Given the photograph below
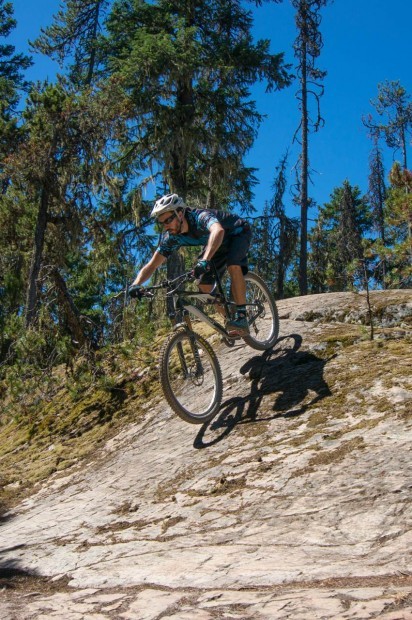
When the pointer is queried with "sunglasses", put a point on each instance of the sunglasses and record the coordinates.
(168, 220)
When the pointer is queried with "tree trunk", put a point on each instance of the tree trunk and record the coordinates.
(303, 261)
(35, 266)
(92, 59)
(69, 309)
(32, 298)
(403, 141)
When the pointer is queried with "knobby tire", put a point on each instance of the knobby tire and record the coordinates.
(264, 331)
(190, 374)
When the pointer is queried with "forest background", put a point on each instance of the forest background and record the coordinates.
(150, 97)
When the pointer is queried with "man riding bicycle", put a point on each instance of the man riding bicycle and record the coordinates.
(226, 240)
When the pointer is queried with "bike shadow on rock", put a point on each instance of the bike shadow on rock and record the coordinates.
(294, 377)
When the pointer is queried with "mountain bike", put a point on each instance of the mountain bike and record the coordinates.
(189, 370)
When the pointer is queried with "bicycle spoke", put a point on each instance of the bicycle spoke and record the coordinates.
(191, 377)
(261, 312)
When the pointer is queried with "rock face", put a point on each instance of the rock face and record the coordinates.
(294, 502)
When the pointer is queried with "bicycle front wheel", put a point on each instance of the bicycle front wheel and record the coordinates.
(191, 377)
(262, 314)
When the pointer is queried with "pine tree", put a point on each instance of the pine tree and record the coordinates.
(275, 236)
(377, 190)
(341, 226)
(74, 34)
(393, 105)
(377, 197)
(12, 228)
(350, 233)
(12, 82)
(287, 228)
(187, 68)
(399, 223)
(318, 260)
(59, 168)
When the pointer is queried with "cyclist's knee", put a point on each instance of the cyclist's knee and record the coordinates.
(205, 288)
(234, 269)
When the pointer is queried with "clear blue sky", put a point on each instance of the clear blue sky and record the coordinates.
(365, 42)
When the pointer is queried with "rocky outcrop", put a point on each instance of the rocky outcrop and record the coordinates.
(294, 502)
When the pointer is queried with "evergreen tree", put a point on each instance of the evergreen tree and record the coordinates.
(393, 105)
(318, 262)
(377, 190)
(275, 236)
(262, 252)
(287, 228)
(74, 35)
(308, 46)
(399, 223)
(61, 169)
(341, 226)
(187, 68)
(351, 227)
(12, 228)
(12, 67)
(377, 197)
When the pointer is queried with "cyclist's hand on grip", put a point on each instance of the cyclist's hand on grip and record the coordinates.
(136, 292)
(201, 267)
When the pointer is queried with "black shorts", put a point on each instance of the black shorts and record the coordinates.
(233, 251)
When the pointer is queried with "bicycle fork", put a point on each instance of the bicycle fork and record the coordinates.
(187, 326)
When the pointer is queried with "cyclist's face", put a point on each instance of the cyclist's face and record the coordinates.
(170, 221)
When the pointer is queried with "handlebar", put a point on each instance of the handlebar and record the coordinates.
(172, 285)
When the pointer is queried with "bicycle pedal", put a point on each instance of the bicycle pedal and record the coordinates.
(228, 341)
(235, 335)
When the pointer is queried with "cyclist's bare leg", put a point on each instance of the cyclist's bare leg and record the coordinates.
(238, 287)
(238, 325)
(238, 284)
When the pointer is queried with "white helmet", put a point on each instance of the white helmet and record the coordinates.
(169, 202)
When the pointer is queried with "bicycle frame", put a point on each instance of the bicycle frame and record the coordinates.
(213, 298)
(185, 309)
(188, 308)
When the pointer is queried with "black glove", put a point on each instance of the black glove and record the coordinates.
(201, 267)
(135, 292)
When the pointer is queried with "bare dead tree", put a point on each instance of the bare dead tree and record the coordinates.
(308, 46)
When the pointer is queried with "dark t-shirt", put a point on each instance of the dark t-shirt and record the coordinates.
(200, 222)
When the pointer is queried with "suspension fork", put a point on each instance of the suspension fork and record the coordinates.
(187, 325)
(193, 345)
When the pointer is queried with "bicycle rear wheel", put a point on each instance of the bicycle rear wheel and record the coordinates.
(191, 377)
(264, 329)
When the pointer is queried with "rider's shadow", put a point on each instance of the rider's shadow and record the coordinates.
(294, 378)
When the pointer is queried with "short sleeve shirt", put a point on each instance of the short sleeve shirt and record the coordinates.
(200, 221)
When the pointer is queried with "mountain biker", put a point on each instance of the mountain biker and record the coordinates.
(226, 240)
